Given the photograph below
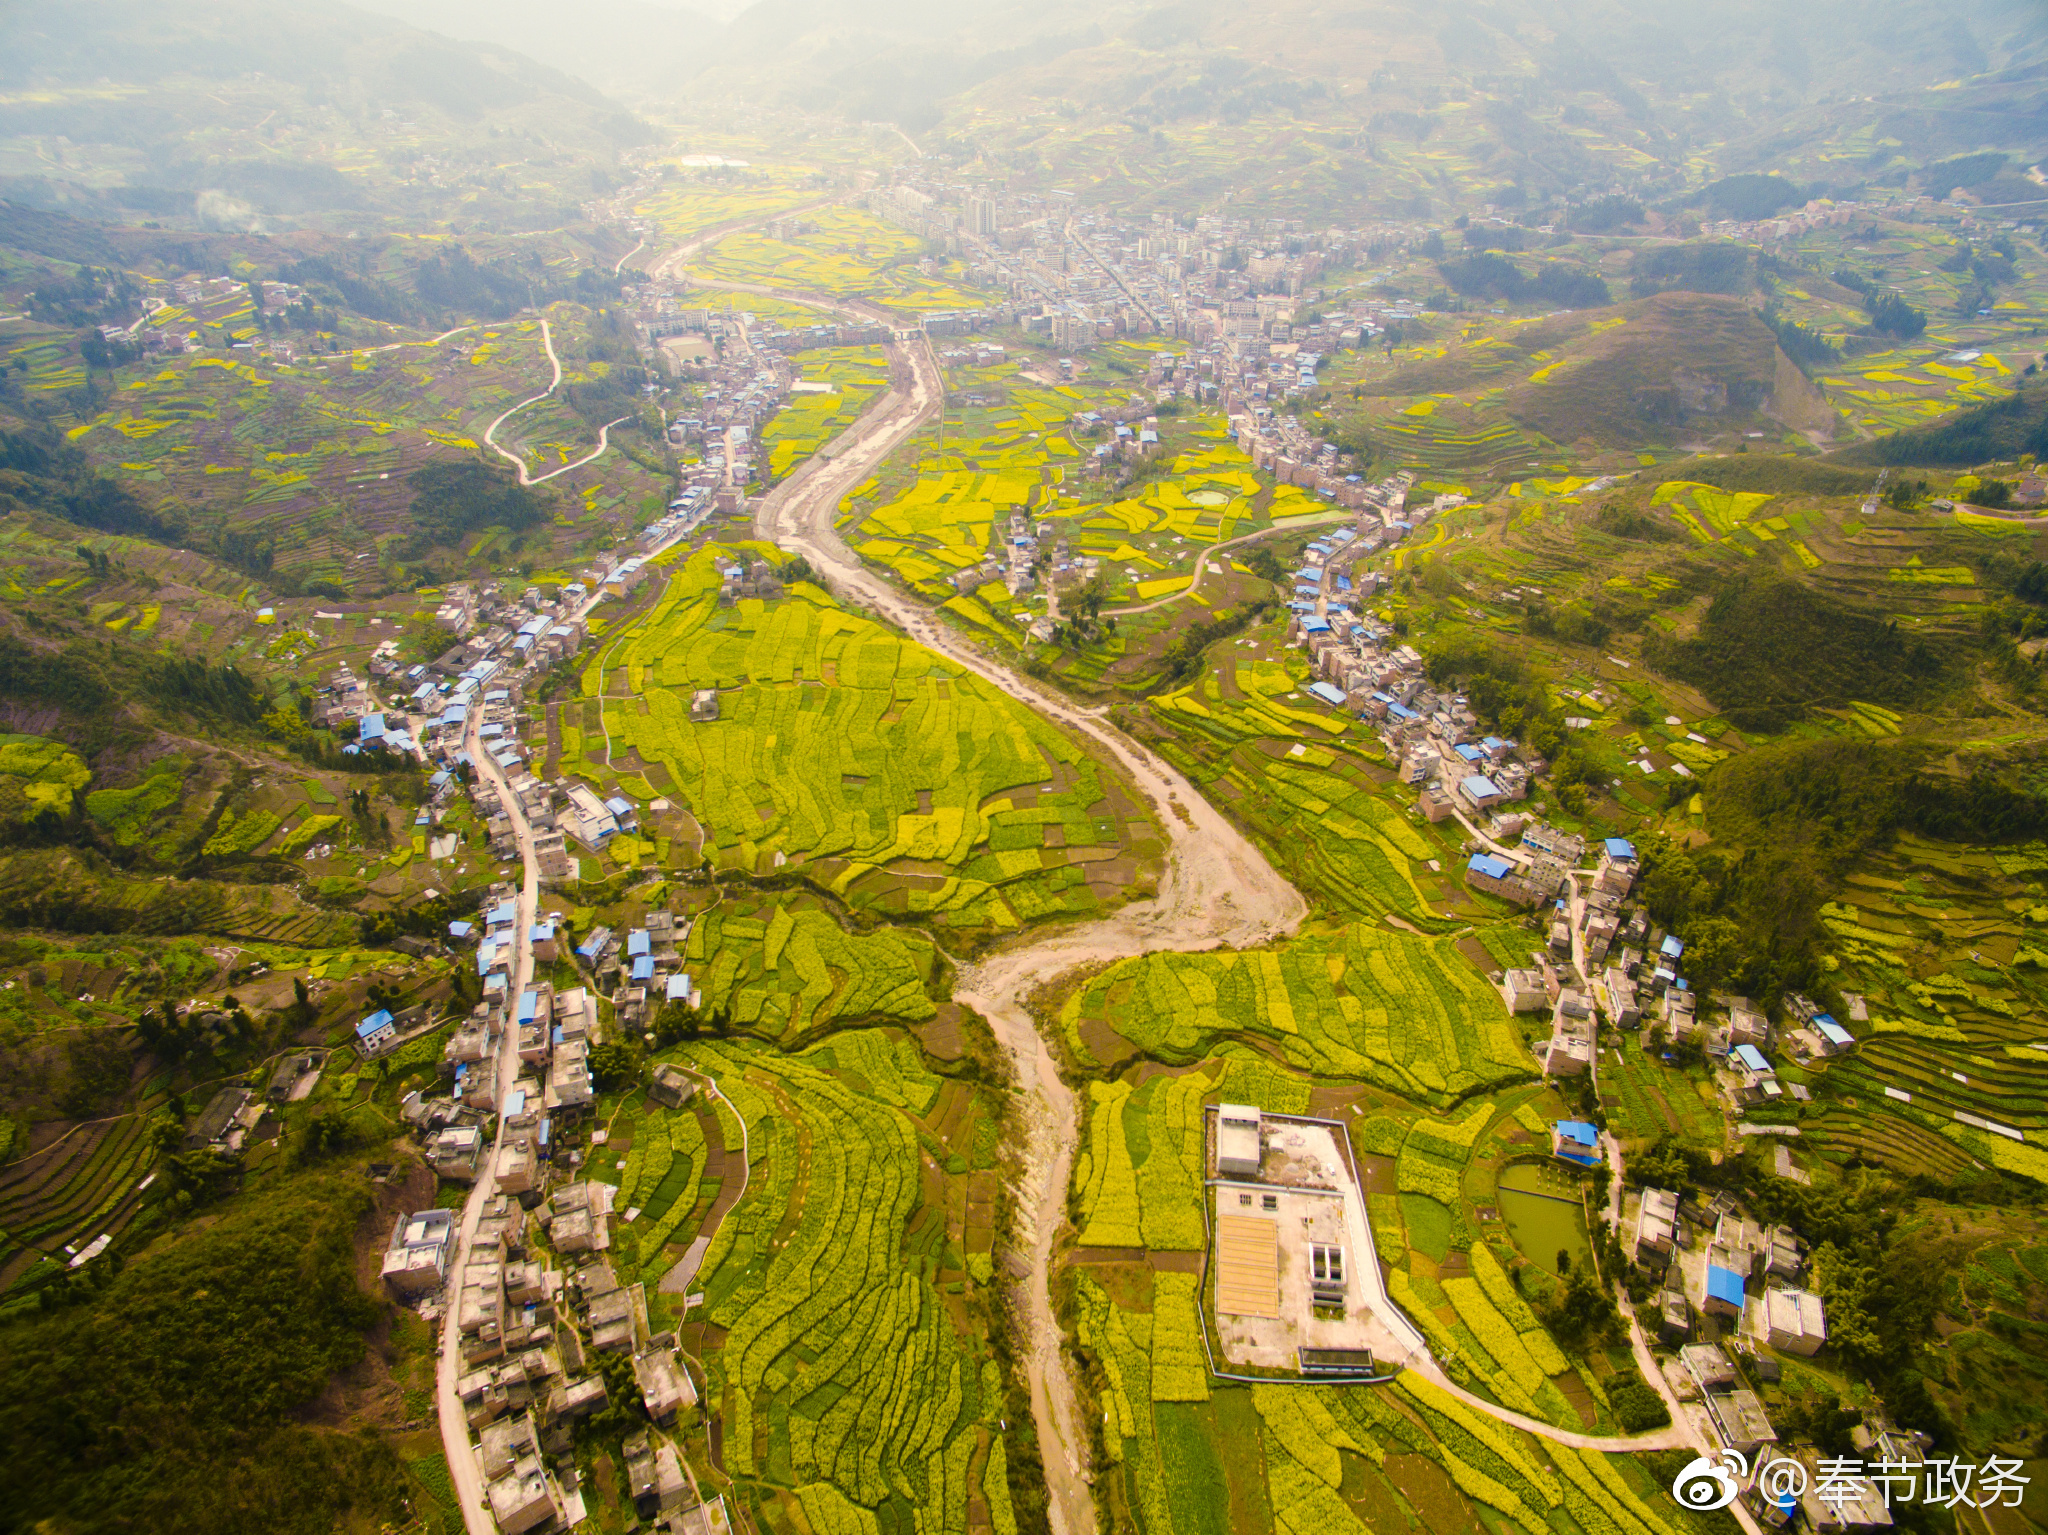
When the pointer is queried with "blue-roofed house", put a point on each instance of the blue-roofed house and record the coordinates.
(679, 988)
(1673, 946)
(501, 916)
(370, 730)
(542, 936)
(1487, 870)
(461, 932)
(529, 1006)
(1724, 1295)
(1834, 1039)
(1621, 850)
(1751, 1061)
(1329, 693)
(376, 1032)
(643, 969)
(1470, 752)
(1573, 1140)
(638, 943)
(623, 811)
(1479, 791)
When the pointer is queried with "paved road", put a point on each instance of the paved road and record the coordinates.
(463, 1465)
(526, 476)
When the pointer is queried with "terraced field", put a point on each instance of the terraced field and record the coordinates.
(893, 779)
(75, 1188)
(845, 1312)
(1394, 1009)
(313, 451)
(1195, 1452)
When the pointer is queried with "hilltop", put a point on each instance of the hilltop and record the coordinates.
(1594, 387)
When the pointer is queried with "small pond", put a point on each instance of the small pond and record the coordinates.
(1540, 1207)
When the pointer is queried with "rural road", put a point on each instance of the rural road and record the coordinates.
(463, 1465)
(1202, 560)
(526, 476)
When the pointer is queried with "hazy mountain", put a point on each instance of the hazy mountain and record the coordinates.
(237, 112)
(636, 48)
(1700, 70)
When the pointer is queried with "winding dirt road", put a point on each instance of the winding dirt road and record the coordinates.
(1217, 889)
(526, 476)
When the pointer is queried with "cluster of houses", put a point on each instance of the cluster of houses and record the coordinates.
(642, 969)
(532, 1324)
(1605, 962)
(1082, 276)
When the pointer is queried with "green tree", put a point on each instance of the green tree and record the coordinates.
(613, 1065)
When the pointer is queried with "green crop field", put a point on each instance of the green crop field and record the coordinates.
(848, 1284)
(1195, 1452)
(847, 254)
(1371, 1004)
(810, 420)
(893, 779)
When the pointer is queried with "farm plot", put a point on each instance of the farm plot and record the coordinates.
(685, 207)
(1397, 1010)
(792, 969)
(1945, 945)
(316, 449)
(70, 1192)
(1206, 1458)
(811, 419)
(1015, 455)
(38, 777)
(847, 253)
(902, 783)
(854, 1367)
(1314, 808)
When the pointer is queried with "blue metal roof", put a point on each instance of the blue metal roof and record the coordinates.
(637, 942)
(1470, 753)
(1578, 1130)
(381, 1019)
(1620, 847)
(1479, 785)
(1672, 947)
(643, 968)
(679, 988)
(1832, 1031)
(1724, 1285)
(1490, 865)
(1328, 692)
(529, 1004)
(460, 929)
(1751, 1057)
